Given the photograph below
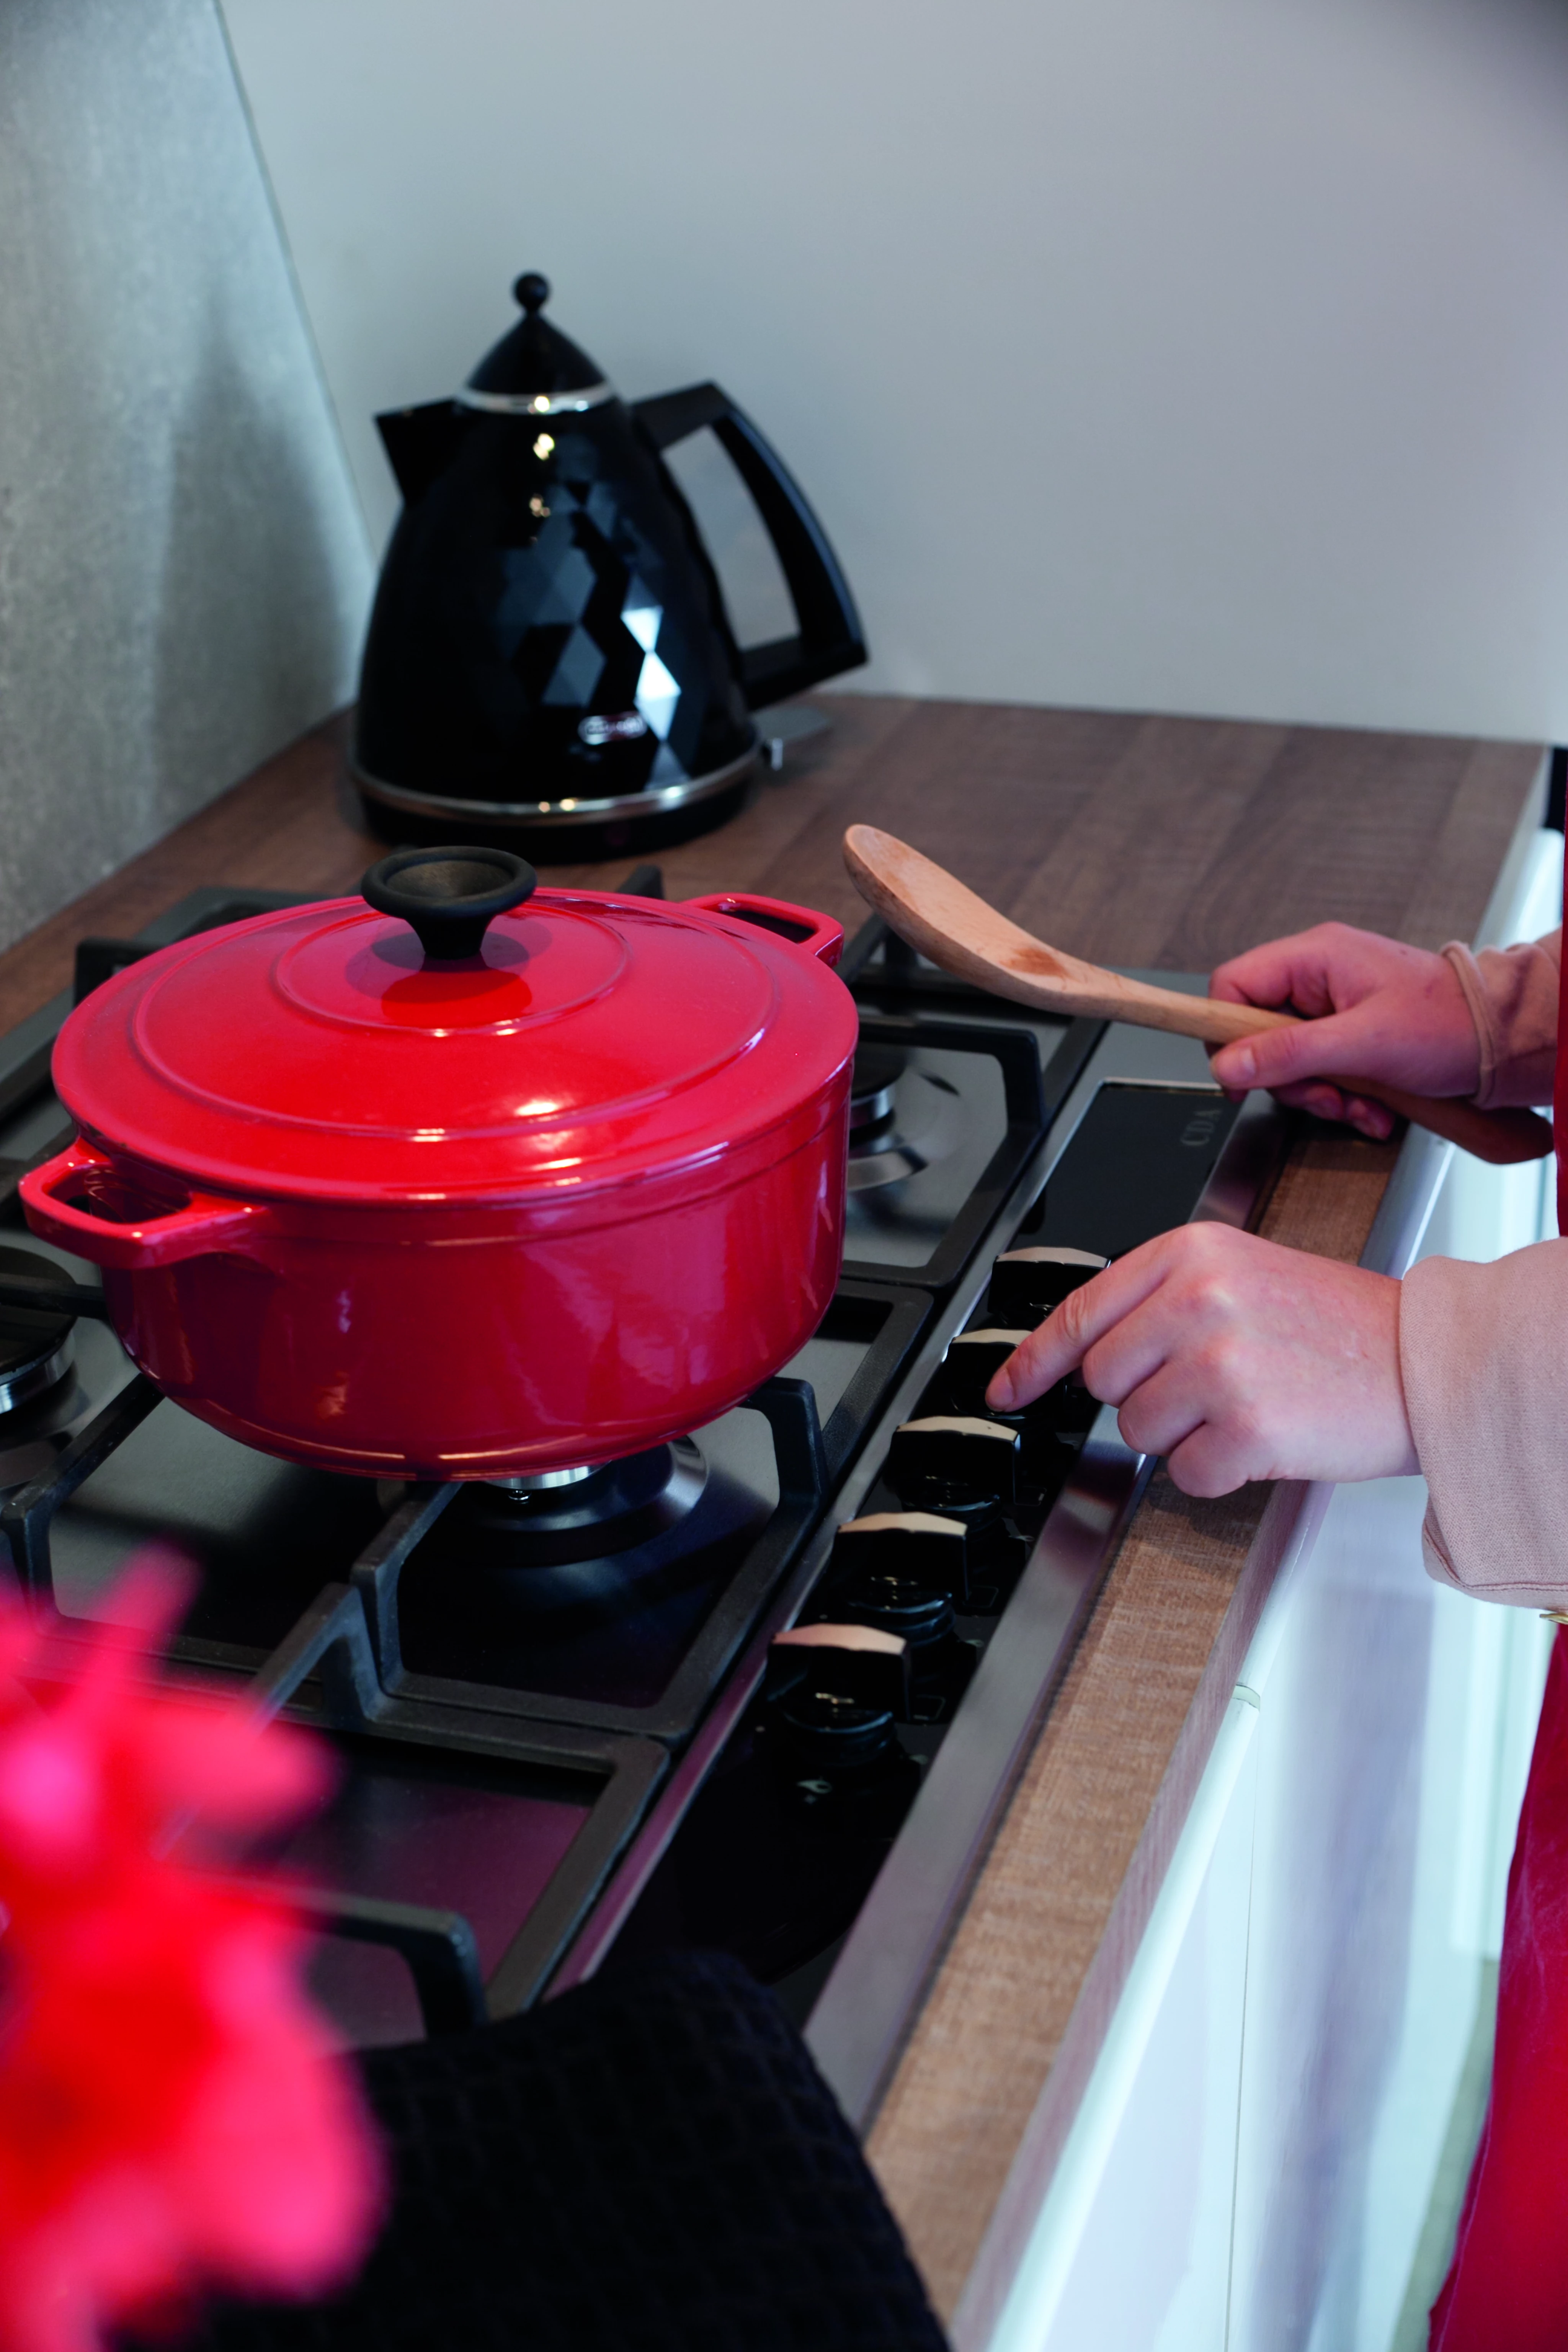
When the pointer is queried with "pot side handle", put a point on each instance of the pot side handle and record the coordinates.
(816, 935)
(82, 1202)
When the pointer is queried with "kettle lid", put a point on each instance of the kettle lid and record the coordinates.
(535, 368)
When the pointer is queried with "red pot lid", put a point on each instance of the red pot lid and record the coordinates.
(320, 1052)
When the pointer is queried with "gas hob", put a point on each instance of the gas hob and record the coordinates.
(743, 1691)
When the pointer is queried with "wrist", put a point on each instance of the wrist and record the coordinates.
(1472, 987)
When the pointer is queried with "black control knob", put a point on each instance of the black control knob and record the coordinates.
(1044, 1459)
(960, 1380)
(859, 1661)
(825, 1732)
(448, 896)
(954, 1459)
(897, 1604)
(1026, 1284)
(1069, 1407)
(920, 1544)
(834, 1695)
(844, 1771)
(941, 1664)
(1065, 1408)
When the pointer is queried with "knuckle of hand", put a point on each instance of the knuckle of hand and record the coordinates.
(1070, 1319)
(1135, 1427)
(1186, 1475)
(1205, 1255)
(1224, 1364)
(1210, 1463)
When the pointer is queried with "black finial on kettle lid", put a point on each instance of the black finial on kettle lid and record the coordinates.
(535, 363)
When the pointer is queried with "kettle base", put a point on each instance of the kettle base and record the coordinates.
(554, 833)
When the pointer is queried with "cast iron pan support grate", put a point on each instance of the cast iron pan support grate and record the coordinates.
(379, 1566)
(26, 1520)
(788, 1406)
(331, 1638)
(1028, 1109)
(436, 1946)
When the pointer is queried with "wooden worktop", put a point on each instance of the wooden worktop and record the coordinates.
(1152, 841)
(1167, 842)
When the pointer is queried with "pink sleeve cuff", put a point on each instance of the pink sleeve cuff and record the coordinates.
(1512, 997)
(1483, 1354)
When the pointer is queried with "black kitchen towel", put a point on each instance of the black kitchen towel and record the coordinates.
(651, 2163)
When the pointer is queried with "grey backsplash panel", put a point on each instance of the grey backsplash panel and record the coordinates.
(183, 568)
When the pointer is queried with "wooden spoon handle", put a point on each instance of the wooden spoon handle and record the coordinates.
(1502, 1137)
(949, 924)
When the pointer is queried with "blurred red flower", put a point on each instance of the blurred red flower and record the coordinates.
(173, 2112)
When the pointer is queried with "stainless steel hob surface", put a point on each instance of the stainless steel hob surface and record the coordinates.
(569, 1728)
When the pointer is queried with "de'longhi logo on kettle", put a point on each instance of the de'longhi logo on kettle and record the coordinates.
(612, 727)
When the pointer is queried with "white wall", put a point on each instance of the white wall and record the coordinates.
(1196, 355)
(182, 562)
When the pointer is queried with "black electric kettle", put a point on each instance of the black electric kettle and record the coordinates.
(549, 657)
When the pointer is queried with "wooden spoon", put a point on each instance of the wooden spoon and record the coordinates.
(948, 924)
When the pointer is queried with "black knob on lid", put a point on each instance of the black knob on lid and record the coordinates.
(449, 897)
(532, 291)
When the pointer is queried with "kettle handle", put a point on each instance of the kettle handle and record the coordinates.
(830, 637)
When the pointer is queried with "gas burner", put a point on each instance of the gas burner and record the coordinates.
(571, 1546)
(58, 1367)
(37, 1345)
(543, 1482)
(874, 1078)
(584, 1518)
(901, 1120)
(597, 1593)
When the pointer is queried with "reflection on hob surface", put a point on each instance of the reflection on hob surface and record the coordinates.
(447, 1832)
(1141, 1157)
(263, 1535)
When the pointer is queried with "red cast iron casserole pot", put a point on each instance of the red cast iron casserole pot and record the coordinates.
(449, 1185)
